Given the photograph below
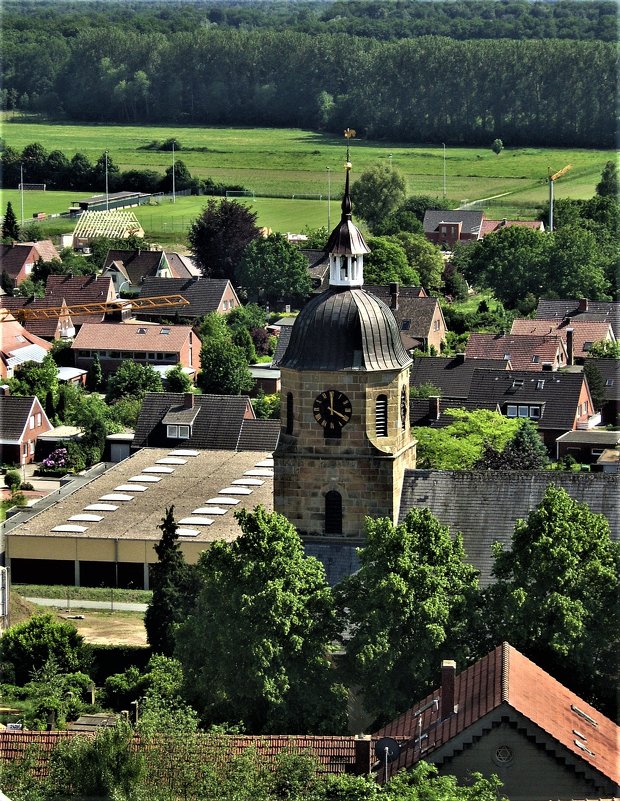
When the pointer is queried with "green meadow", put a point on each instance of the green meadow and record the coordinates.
(293, 162)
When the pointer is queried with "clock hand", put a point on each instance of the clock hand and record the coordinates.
(331, 402)
(344, 417)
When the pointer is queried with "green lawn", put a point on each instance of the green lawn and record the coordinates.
(294, 161)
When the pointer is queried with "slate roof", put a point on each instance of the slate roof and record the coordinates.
(14, 414)
(137, 264)
(131, 336)
(345, 330)
(472, 220)
(283, 340)
(523, 351)
(507, 683)
(583, 331)
(453, 375)
(556, 393)
(318, 267)
(414, 314)
(484, 507)
(204, 294)
(590, 310)
(610, 370)
(219, 423)
(335, 754)
(13, 257)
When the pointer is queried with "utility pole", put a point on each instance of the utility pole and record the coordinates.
(552, 180)
(174, 196)
(21, 172)
(107, 194)
(329, 199)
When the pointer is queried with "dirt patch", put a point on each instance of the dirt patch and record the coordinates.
(107, 628)
(20, 609)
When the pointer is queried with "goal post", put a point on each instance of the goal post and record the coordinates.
(33, 187)
(307, 197)
(249, 193)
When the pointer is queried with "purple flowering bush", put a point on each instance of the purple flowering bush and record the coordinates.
(56, 460)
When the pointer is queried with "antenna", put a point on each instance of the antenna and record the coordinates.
(388, 750)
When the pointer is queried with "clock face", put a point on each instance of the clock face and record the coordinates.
(332, 410)
(403, 407)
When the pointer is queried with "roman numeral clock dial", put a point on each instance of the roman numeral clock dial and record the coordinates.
(332, 410)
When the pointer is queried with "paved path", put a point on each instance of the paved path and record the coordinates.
(75, 603)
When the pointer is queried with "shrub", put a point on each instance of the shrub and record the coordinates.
(12, 480)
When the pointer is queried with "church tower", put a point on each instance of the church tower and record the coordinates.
(346, 438)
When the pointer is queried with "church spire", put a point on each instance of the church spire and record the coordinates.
(346, 245)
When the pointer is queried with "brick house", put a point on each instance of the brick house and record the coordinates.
(582, 310)
(419, 317)
(161, 346)
(523, 351)
(18, 258)
(578, 335)
(507, 716)
(22, 420)
(18, 346)
(449, 227)
(129, 268)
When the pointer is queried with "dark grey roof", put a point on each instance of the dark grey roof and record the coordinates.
(484, 506)
(259, 435)
(204, 294)
(138, 264)
(283, 340)
(472, 220)
(597, 311)
(14, 414)
(344, 330)
(218, 424)
(414, 314)
(557, 393)
(422, 411)
(451, 376)
(610, 371)
(318, 267)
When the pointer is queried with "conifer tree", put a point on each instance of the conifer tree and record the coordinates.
(10, 228)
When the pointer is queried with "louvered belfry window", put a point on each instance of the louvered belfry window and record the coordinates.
(289, 412)
(333, 512)
(381, 426)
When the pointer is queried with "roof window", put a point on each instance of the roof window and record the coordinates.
(165, 331)
(587, 346)
(518, 382)
(405, 325)
(609, 382)
(142, 330)
(583, 715)
(583, 747)
(540, 384)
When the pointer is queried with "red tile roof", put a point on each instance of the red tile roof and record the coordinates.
(46, 249)
(505, 678)
(524, 351)
(13, 258)
(490, 226)
(582, 331)
(132, 336)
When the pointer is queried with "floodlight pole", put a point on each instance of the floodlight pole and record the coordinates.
(21, 172)
(107, 194)
(174, 196)
(444, 169)
(329, 199)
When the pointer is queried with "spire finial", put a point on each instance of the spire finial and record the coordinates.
(346, 198)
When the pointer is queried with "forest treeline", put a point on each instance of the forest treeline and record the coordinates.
(430, 88)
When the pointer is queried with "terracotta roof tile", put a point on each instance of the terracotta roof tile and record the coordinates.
(506, 678)
(523, 351)
(491, 226)
(583, 332)
(590, 310)
(131, 336)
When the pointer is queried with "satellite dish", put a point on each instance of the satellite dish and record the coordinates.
(387, 749)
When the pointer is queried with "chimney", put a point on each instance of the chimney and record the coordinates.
(363, 755)
(448, 674)
(188, 400)
(4, 390)
(570, 348)
(394, 295)
(433, 407)
(583, 304)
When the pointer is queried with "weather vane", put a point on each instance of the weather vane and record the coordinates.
(348, 135)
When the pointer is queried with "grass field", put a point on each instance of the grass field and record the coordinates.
(293, 161)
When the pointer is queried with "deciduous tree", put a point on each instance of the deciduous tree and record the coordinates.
(406, 608)
(272, 270)
(223, 368)
(608, 185)
(264, 615)
(523, 451)
(34, 378)
(555, 596)
(424, 259)
(376, 193)
(220, 235)
(133, 380)
(386, 262)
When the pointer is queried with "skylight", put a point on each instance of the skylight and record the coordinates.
(142, 330)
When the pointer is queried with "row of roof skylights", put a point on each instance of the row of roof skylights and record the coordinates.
(214, 506)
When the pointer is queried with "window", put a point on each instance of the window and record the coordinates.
(596, 452)
(436, 325)
(31, 421)
(535, 359)
(511, 410)
(139, 355)
(507, 358)
(183, 432)
(115, 354)
(540, 384)
(31, 446)
(405, 325)
(609, 382)
(142, 330)
(165, 331)
(38, 418)
(587, 346)
(524, 411)
(172, 432)
(535, 412)
(333, 512)
(84, 353)
(585, 407)
(25, 449)
(289, 412)
(381, 425)
(518, 382)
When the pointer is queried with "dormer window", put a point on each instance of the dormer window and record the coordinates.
(178, 432)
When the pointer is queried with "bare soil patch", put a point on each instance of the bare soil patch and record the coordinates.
(108, 628)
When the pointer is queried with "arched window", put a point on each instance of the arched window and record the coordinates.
(333, 512)
(381, 423)
(289, 412)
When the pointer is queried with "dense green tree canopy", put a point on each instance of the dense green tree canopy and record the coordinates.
(407, 607)
(219, 236)
(525, 450)
(133, 380)
(377, 193)
(264, 615)
(34, 378)
(223, 368)
(272, 270)
(555, 596)
(424, 258)
(386, 262)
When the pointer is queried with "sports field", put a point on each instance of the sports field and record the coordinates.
(290, 162)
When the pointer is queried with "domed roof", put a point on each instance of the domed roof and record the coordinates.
(345, 329)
